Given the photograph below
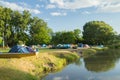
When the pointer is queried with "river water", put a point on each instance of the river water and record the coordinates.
(98, 67)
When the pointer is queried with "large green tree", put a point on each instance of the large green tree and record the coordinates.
(5, 19)
(97, 32)
(19, 27)
(39, 31)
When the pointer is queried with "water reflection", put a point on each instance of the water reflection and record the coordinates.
(104, 66)
(102, 62)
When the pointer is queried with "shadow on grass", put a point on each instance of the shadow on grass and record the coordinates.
(12, 74)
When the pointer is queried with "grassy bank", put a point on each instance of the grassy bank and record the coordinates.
(92, 51)
(32, 68)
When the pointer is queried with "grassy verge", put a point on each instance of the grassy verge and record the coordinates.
(69, 56)
(92, 51)
(32, 68)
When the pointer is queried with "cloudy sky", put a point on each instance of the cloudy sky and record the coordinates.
(69, 14)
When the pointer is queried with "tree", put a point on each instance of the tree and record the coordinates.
(19, 27)
(97, 32)
(116, 39)
(56, 38)
(78, 36)
(5, 18)
(39, 32)
(0, 41)
(66, 37)
(1, 21)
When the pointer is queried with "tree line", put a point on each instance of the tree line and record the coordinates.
(67, 37)
(21, 26)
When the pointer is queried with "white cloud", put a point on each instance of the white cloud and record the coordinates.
(75, 4)
(17, 7)
(50, 6)
(35, 11)
(100, 5)
(58, 2)
(113, 6)
(78, 4)
(24, 4)
(58, 14)
(72, 5)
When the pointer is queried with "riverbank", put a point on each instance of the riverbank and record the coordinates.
(87, 52)
(92, 51)
(32, 68)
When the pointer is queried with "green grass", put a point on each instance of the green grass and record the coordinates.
(69, 56)
(12, 74)
(92, 51)
(42, 50)
(4, 49)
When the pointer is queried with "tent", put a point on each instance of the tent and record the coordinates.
(20, 49)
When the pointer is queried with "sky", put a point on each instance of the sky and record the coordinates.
(67, 15)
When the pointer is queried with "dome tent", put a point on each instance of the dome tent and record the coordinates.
(20, 49)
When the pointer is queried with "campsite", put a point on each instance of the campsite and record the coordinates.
(59, 40)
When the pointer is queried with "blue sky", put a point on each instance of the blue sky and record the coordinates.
(70, 14)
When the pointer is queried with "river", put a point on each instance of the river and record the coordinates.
(104, 66)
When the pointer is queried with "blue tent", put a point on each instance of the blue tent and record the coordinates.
(20, 49)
